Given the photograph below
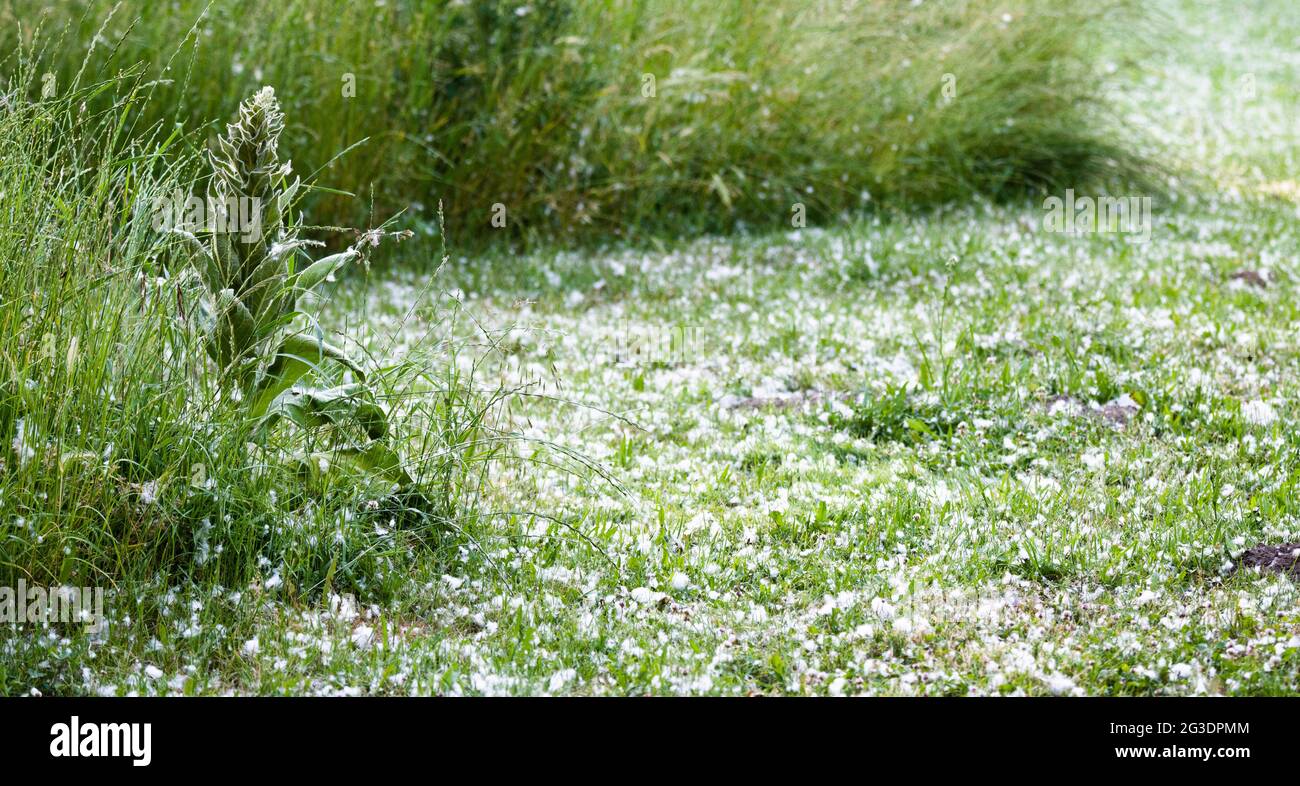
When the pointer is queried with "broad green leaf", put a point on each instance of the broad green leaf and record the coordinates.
(320, 270)
(342, 406)
(378, 457)
(227, 261)
(374, 458)
(294, 358)
(350, 404)
(263, 284)
(234, 331)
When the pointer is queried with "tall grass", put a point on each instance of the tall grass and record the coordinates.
(123, 458)
(546, 107)
(76, 290)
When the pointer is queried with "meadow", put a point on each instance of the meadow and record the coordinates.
(763, 374)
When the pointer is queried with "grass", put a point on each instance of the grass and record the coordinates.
(932, 451)
(627, 118)
(129, 456)
(1007, 547)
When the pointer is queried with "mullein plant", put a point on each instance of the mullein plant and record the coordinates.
(249, 271)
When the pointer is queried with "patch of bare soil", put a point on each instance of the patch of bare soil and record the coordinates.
(1284, 558)
(1252, 277)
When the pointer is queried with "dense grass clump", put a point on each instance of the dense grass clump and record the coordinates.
(629, 116)
(87, 408)
(127, 452)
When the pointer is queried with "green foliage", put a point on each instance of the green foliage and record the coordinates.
(153, 381)
(634, 117)
(249, 291)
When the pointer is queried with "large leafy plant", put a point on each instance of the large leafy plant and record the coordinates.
(250, 271)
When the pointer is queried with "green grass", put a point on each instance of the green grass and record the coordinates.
(1005, 548)
(546, 108)
(1003, 556)
(882, 464)
(128, 456)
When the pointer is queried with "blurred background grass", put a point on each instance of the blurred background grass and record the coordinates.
(547, 107)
